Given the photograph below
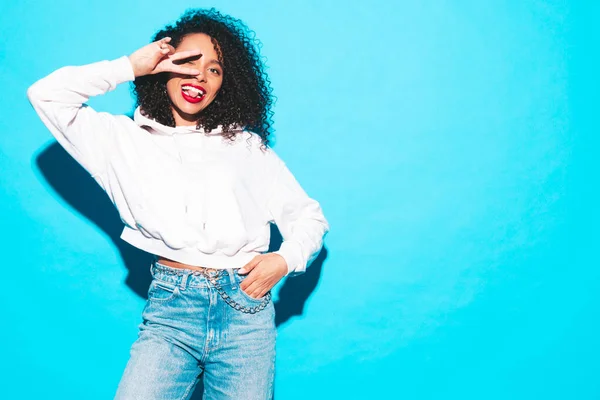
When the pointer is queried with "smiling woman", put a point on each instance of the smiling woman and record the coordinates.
(190, 95)
(197, 185)
(229, 65)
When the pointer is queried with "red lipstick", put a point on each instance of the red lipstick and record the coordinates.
(191, 99)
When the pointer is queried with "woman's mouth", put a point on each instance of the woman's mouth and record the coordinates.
(192, 93)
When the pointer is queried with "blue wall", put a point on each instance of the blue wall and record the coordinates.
(451, 147)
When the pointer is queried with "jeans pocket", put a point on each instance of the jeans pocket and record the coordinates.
(161, 291)
(252, 299)
(240, 279)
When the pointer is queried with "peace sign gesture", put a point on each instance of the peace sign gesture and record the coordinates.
(158, 57)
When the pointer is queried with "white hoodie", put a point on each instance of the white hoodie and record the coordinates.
(183, 194)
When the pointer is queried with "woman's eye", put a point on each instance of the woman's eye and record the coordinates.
(215, 71)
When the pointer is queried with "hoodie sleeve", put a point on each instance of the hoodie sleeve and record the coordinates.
(298, 217)
(59, 101)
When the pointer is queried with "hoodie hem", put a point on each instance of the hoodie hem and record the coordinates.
(190, 256)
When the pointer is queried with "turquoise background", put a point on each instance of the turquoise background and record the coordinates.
(452, 146)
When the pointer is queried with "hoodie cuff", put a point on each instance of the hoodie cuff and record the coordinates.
(292, 254)
(123, 70)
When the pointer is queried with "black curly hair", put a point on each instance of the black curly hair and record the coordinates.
(245, 97)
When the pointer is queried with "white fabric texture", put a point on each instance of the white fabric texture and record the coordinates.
(182, 193)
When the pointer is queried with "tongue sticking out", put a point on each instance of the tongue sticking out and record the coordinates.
(192, 92)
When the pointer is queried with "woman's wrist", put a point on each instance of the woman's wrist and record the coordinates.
(134, 66)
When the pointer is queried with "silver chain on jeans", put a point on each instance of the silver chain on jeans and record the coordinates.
(235, 304)
(211, 278)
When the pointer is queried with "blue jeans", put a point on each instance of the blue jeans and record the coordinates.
(189, 330)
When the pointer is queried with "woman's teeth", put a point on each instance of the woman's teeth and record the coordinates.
(192, 91)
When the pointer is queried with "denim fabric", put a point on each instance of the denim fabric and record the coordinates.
(189, 333)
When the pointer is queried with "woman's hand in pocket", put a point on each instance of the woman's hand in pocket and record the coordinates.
(264, 271)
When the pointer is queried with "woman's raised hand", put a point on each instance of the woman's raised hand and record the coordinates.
(158, 57)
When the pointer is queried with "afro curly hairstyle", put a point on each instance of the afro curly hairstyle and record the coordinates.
(244, 100)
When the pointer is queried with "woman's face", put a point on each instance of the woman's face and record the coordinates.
(190, 95)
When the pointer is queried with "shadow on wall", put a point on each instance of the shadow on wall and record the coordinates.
(75, 186)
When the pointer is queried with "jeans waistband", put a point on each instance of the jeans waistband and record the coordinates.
(192, 278)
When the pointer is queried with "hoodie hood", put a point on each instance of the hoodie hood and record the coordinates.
(159, 129)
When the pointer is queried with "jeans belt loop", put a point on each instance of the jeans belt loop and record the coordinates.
(184, 279)
(232, 278)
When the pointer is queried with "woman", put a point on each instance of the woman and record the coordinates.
(195, 184)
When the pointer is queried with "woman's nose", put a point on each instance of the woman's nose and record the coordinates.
(200, 76)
